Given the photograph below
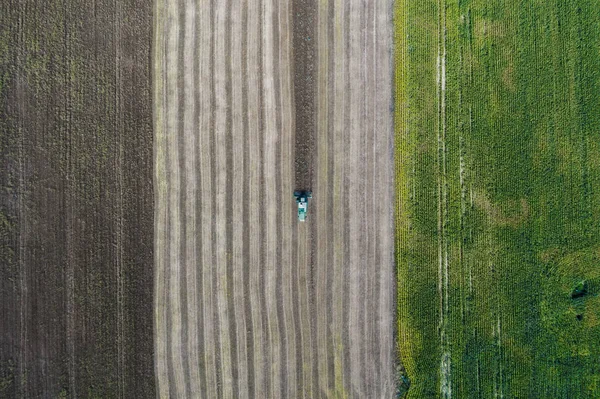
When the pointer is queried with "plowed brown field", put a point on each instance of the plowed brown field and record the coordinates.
(76, 255)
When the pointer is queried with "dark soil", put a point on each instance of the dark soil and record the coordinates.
(304, 15)
(76, 219)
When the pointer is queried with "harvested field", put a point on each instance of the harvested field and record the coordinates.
(248, 301)
(497, 134)
(76, 251)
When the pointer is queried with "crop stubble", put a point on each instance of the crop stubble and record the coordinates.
(273, 313)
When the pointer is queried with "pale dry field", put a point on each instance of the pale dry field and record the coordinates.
(249, 302)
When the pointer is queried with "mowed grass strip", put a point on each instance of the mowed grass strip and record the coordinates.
(521, 175)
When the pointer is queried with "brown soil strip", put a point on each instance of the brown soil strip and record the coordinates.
(304, 14)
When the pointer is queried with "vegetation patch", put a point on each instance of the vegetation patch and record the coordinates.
(498, 185)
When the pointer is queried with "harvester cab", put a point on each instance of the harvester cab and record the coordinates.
(302, 201)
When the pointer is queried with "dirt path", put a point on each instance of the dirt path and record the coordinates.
(252, 303)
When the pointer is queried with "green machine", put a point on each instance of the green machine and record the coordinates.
(302, 201)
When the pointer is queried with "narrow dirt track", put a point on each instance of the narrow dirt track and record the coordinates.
(248, 301)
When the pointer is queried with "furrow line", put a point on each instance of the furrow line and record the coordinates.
(369, 310)
(68, 205)
(160, 209)
(119, 161)
(277, 48)
(197, 131)
(269, 140)
(189, 147)
(247, 311)
(322, 212)
(205, 143)
(346, 204)
(220, 195)
(328, 14)
(174, 223)
(354, 240)
(261, 200)
(339, 77)
(182, 193)
(285, 210)
(385, 286)
(238, 133)
(230, 292)
(254, 266)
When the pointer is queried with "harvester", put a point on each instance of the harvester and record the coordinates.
(302, 201)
